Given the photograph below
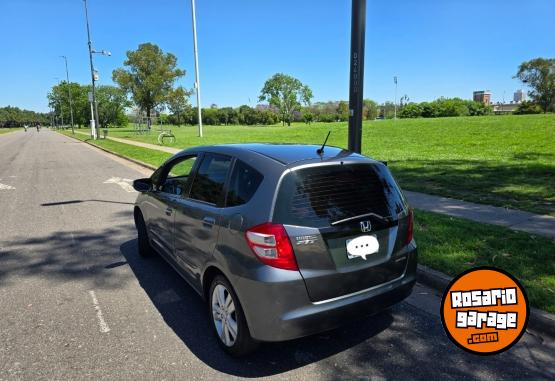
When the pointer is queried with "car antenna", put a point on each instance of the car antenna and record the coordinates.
(320, 150)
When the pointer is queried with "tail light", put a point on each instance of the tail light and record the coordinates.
(270, 243)
(410, 229)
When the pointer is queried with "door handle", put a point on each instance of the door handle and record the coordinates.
(208, 221)
(169, 211)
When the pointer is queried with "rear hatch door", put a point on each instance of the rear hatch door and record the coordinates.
(346, 223)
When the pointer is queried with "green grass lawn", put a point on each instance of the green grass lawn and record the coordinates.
(500, 160)
(452, 245)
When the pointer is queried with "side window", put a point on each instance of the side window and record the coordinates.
(178, 176)
(243, 184)
(209, 181)
(182, 168)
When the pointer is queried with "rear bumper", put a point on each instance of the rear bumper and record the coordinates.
(283, 311)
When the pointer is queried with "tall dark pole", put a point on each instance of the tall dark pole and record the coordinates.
(356, 81)
(95, 106)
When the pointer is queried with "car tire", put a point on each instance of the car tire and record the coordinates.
(145, 249)
(224, 320)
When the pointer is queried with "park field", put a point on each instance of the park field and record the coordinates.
(507, 161)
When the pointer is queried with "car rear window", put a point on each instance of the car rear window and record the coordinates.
(318, 196)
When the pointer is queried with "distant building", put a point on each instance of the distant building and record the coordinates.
(519, 96)
(504, 108)
(482, 97)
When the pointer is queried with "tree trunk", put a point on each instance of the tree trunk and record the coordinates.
(148, 121)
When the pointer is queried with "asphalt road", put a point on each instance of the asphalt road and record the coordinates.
(76, 301)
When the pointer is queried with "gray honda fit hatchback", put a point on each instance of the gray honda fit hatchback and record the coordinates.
(281, 240)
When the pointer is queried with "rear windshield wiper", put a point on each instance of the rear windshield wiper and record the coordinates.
(360, 216)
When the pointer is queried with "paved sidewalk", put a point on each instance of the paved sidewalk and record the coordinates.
(139, 144)
(510, 218)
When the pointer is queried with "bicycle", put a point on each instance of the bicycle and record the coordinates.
(166, 135)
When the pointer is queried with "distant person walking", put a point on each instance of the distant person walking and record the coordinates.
(25, 127)
(38, 127)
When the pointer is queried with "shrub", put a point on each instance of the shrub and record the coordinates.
(528, 107)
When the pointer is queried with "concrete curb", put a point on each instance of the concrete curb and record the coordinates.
(138, 162)
(540, 321)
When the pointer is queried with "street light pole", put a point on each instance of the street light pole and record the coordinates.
(52, 118)
(94, 105)
(197, 79)
(69, 93)
(395, 103)
(60, 102)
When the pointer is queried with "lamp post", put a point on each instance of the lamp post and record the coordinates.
(60, 103)
(69, 94)
(95, 124)
(52, 118)
(395, 102)
(197, 78)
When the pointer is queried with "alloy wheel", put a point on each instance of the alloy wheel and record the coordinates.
(224, 315)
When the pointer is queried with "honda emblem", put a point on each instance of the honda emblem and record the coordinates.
(365, 226)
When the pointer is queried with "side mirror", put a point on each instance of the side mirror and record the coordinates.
(142, 185)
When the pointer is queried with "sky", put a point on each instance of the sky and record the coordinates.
(435, 47)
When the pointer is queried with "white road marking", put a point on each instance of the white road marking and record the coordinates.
(124, 183)
(6, 187)
(103, 325)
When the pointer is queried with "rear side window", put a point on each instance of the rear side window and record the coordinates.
(319, 196)
(243, 184)
(209, 181)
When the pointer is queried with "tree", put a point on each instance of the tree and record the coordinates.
(444, 107)
(149, 76)
(403, 101)
(411, 110)
(210, 116)
(58, 101)
(14, 116)
(539, 75)
(308, 117)
(369, 109)
(178, 102)
(387, 110)
(286, 94)
(528, 108)
(112, 103)
(343, 111)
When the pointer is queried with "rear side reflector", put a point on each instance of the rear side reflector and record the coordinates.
(270, 243)
(410, 229)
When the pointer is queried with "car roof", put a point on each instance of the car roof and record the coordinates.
(283, 155)
(288, 154)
